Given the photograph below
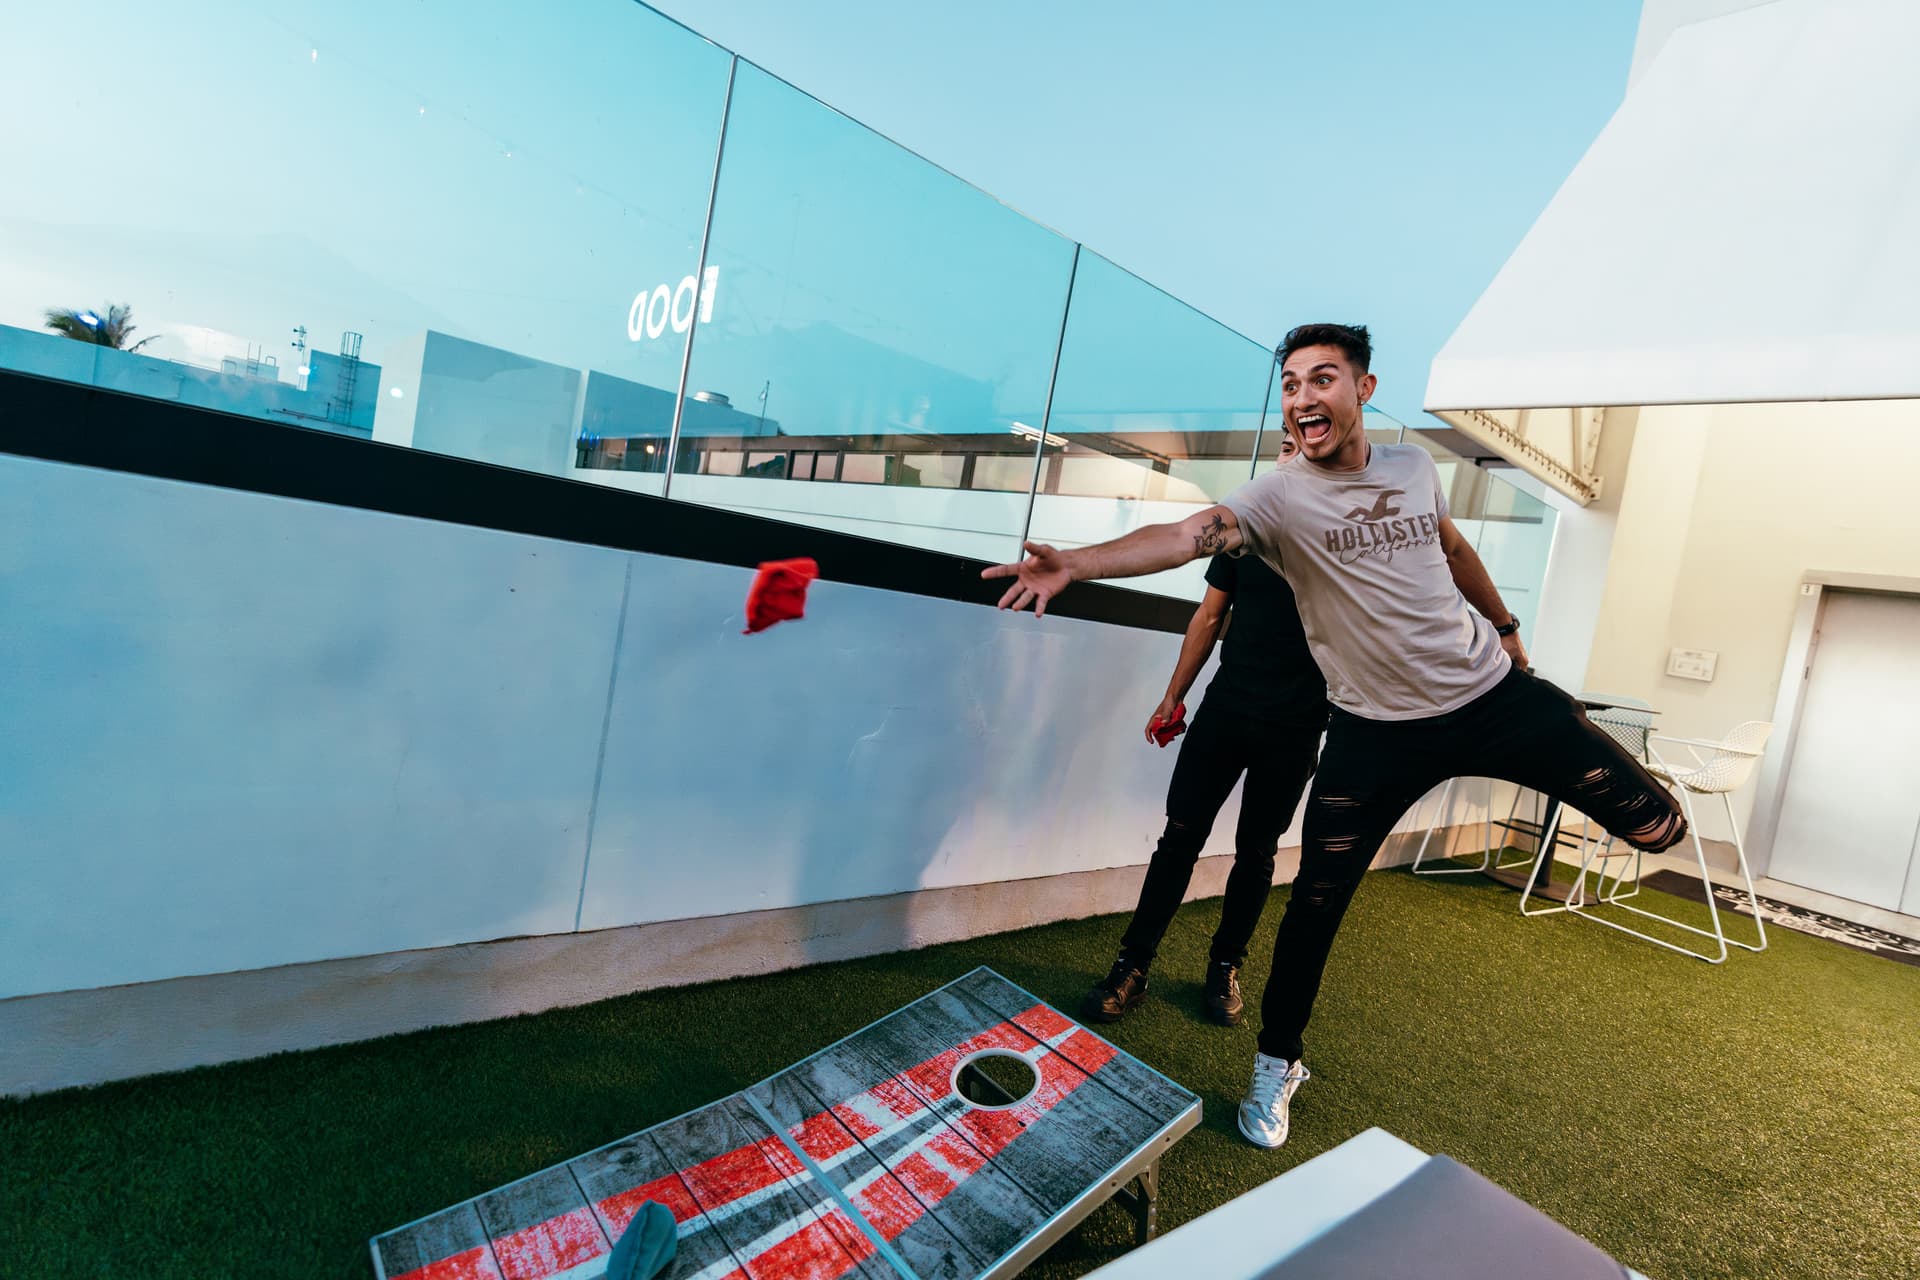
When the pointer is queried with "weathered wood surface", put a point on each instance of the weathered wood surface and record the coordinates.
(778, 1221)
(541, 1226)
(452, 1240)
(619, 1179)
(948, 1187)
(872, 1141)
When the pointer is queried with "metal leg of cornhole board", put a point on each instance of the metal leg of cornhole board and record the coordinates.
(1142, 1199)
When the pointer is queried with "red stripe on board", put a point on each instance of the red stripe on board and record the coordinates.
(550, 1247)
(669, 1191)
(817, 1251)
(897, 1098)
(828, 1134)
(730, 1175)
(857, 1123)
(1088, 1051)
(926, 1180)
(888, 1206)
(776, 1154)
(473, 1264)
(1044, 1022)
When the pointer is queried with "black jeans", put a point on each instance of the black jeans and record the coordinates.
(1523, 730)
(1221, 744)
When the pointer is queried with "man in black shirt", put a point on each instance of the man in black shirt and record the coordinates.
(1263, 715)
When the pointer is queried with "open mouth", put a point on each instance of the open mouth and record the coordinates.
(1313, 427)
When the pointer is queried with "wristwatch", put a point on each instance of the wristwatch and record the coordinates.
(1512, 627)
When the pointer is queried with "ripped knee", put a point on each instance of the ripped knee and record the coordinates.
(1319, 894)
(1343, 832)
(1659, 835)
(1334, 809)
(1184, 839)
(1647, 820)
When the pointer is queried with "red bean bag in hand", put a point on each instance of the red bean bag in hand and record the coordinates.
(1165, 731)
(779, 592)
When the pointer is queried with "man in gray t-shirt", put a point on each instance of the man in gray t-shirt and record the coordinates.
(1423, 662)
(1365, 552)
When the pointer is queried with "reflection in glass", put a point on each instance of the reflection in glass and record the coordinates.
(882, 327)
(1155, 413)
(430, 223)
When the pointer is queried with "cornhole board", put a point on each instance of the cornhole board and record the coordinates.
(864, 1160)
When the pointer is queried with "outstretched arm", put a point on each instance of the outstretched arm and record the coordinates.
(1046, 572)
(1476, 584)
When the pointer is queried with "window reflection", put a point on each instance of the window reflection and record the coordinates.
(432, 234)
(1155, 412)
(888, 326)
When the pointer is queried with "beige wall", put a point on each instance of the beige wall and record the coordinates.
(1725, 510)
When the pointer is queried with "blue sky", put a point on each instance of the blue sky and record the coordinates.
(1267, 162)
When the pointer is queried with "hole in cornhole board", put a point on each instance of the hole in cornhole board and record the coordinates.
(995, 1079)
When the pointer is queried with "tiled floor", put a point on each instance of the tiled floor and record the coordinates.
(1720, 865)
(1797, 896)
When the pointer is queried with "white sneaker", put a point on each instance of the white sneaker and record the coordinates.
(1263, 1112)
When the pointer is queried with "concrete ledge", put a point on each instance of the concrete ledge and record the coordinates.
(113, 1033)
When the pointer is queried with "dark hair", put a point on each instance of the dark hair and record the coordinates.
(1352, 339)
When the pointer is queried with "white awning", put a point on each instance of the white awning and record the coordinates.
(1746, 228)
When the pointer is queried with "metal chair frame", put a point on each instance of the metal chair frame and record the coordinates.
(1715, 768)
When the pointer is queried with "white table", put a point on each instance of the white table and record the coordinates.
(1250, 1233)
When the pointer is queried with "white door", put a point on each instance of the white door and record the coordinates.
(1851, 812)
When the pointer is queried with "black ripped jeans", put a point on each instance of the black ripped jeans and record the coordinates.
(1222, 744)
(1523, 730)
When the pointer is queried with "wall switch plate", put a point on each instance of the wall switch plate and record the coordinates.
(1692, 664)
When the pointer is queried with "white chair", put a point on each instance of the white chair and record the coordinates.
(1446, 808)
(1716, 768)
(1548, 835)
(1488, 859)
(1631, 728)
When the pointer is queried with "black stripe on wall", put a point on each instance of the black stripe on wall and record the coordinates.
(89, 427)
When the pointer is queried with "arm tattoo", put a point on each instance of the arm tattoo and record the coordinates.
(1212, 538)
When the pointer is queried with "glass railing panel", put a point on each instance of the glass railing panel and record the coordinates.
(1513, 532)
(462, 225)
(1155, 412)
(877, 359)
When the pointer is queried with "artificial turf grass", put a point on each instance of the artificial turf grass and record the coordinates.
(1757, 1118)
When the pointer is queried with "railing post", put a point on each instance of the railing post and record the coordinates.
(699, 283)
(1046, 412)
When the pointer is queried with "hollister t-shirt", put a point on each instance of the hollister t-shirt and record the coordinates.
(1361, 549)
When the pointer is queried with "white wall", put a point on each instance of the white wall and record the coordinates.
(248, 731)
(1659, 19)
(1726, 510)
(1561, 642)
